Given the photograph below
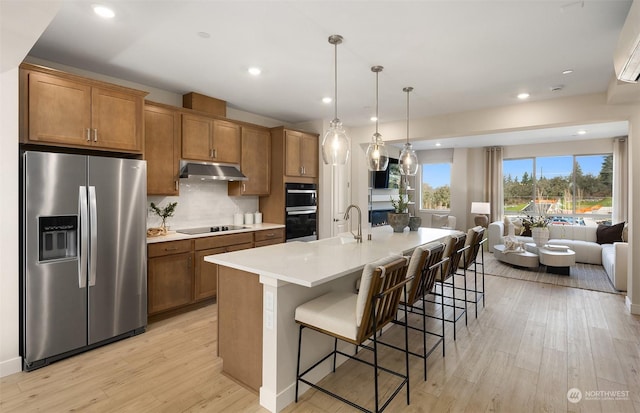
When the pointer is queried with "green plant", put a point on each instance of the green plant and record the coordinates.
(401, 204)
(165, 212)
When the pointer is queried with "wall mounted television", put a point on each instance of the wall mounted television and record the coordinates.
(389, 178)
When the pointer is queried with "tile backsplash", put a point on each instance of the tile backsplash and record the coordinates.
(201, 203)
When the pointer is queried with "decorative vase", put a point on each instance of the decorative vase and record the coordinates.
(540, 235)
(414, 223)
(398, 221)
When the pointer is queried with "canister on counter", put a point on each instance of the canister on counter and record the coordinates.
(248, 218)
(257, 218)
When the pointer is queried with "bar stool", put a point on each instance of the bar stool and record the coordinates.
(424, 265)
(445, 277)
(356, 318)
(475, 241)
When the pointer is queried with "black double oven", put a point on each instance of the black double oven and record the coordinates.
(301, 208)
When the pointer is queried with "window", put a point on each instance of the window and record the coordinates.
(569, 189)
(435, 188)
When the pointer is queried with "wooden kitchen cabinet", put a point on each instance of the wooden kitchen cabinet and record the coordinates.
(170, 276)
(301, 154)
(162, 137)
(62, 109)
(269, 237)
(206, 273)
(208, 139)
(255, 163)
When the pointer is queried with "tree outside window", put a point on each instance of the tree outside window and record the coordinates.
(564, 187)
(435, 189)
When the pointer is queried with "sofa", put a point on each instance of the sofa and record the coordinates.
(583, 240)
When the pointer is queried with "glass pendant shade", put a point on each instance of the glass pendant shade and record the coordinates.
(377, 154)
(408, 160)
(335, 144)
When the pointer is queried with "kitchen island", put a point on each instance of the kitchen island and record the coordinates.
(259, 290)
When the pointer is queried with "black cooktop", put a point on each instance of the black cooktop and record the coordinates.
(204, 230)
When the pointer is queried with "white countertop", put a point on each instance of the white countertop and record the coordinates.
(313, 263)
(176, 236)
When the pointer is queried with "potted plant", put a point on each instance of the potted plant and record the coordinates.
(399, 218)
(163, 213)
(539, 229)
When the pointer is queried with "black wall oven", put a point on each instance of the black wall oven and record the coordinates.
(301, 212)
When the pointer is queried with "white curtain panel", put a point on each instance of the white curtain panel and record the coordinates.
(620, 180)
(493, 181)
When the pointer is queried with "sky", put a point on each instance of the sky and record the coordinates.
(550, 167)
(439, 174)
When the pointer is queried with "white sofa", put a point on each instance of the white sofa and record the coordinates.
(581, 239)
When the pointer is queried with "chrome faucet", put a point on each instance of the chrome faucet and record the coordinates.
(346, 216)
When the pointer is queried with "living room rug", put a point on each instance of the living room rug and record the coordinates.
(585, 276)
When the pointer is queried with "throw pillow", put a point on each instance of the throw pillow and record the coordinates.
(625, 233)
(439, 221)
(608, 234)
(506, 222)
(517, 224)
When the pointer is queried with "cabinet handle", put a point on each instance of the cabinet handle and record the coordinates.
(210, 153)
(177, 184)
(244, 188)
(301, 170)
(215, 153)
(88, 135)
(95, 134)
(271, 235)
(171, 249)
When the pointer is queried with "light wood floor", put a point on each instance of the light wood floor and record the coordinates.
(528, 347)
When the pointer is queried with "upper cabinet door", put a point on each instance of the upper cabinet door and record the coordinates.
(256, 161)
(309, 155)
(196, 138)
(162, 150)
(226, 142)
(59, 110)
(293, 164)
(116, 120)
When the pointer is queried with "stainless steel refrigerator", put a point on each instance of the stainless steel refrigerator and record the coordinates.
(83, 251)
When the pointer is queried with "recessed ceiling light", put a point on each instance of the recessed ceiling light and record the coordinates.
(327, 100)
(582, 132)
(103, 11)
(523, 95)
(373, 119)
(567, 72)
(438, 144)
(204, 35)
(255, 71)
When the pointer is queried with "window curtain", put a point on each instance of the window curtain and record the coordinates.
(493, 182)
(620, 180)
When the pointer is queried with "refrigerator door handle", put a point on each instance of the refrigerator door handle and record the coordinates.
(93, 228)
(84, 236)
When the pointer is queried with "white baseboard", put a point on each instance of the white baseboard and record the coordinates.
(633, 308)
(11, 366)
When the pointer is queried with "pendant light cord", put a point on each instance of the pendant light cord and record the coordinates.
(377, 106)
(408, 115)
(335, 90)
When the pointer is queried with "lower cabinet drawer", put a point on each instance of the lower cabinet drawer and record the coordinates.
(276, 234)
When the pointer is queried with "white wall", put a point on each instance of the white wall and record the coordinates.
(16, 39)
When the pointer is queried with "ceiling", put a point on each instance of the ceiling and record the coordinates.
(458, 55)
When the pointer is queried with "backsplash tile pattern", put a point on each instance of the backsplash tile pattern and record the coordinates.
(201, 203)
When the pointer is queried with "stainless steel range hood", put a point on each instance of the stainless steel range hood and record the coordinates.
(211, 171)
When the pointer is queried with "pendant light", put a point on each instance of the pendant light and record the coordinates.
(335, 144)
(408, 159)
(377, 155)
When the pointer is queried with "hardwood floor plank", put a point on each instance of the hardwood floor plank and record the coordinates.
(529, 345)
